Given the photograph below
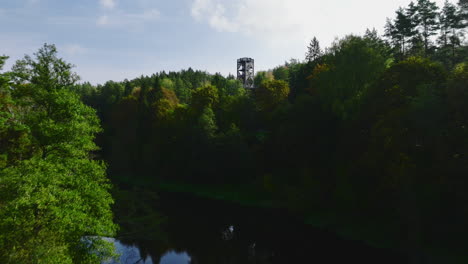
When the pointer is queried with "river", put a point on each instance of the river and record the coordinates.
(197, 230)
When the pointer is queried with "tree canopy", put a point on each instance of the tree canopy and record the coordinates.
(54, 199)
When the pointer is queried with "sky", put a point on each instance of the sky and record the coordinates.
(123, 39)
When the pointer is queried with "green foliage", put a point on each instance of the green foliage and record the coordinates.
(281, 73)
(52, 195)
(261, 76)
(165, 104)
(352, 65)
(45, 70)
(368, 129)
(48, 206)
(207, 122)
(167, 84)
(206, 96)
(402, 80)
(314, 51)
(427, 20)
(271, 93)
(15, 137)
(457, 93)
(4, 80)
(463, 5)
(411, 33)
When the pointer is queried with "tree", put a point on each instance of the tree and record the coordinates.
(281, 73)
(271, 93)
(54, 199)
(206, 123)
(206, 96)
(451, 22)
(313, 50)
(427, 18)
(4, 80)
(182, 90)
(165, 103)
(404, 27)
(403, 31)
(128, 88)
(348, 70)
(463, 5)
(393, 36)
(46, 71)
(415, 37)
(261, 76)
(15, 137)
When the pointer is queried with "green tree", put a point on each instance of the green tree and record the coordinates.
(451, 22)
(352, 65)
(54, 199)
(167, 83)
(403, 31)
(427, 12)
(404, 24)
(182, 90)
(4, 79)
(165, 104)
(206, 96)
(128, 88)
(206, 122)
(281, 73)
(463, 4)
(261, 76)
(313, 50)
(45, 71)
(270, 94)
(15, 137)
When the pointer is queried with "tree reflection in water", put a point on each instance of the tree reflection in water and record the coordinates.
(183, 229)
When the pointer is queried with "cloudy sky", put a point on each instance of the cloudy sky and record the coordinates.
(118, 39)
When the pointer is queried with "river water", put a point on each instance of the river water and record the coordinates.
(196, 230)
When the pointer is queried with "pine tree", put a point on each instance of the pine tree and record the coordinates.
(427, 18)
(414, 36)
(451, 21)
(403, 25)
(313, 50)
(403, 30)
(463, 6)
(392, 35)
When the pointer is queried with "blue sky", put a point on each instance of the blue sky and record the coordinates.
(118, 39)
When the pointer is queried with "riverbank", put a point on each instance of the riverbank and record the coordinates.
(240, 194)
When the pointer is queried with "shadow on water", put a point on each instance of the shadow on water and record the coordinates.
(193, 230)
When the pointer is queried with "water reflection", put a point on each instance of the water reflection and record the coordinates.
(195, 231)
(129, 254)
(173, 257)
(228, 233)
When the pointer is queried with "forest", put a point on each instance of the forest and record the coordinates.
(370, 133)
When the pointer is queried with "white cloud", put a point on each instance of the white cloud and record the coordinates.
(215, 14)
(103, 20)
(67, 20)
(252, 16)
(74, 49)
(147, 15)
(280, 22)
(129, 19)
(109, 4)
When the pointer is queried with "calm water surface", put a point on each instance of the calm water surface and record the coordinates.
(197, 230)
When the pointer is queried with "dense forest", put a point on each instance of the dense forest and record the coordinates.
(373, 129)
